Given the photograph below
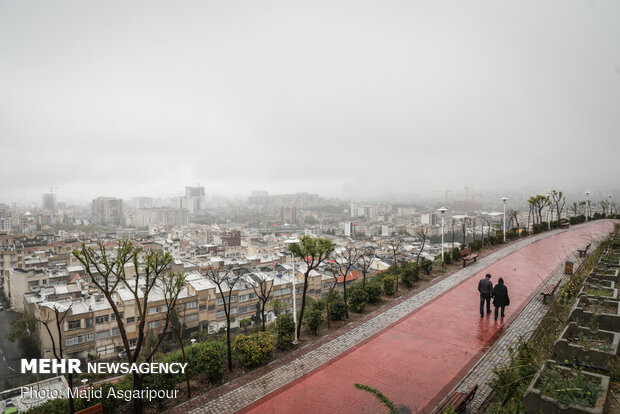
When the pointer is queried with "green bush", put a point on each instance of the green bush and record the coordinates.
(285, 329)
(389, 286)
(358, 300)
(373, 289)
(254, 349)
(318, 305)
(426, 266)
(337, 307)
(314, 318)
(456, 253)
(447, 257)
(525, 233)
(206, 358)
(410, 274)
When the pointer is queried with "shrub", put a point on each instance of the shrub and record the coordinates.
(314, 318)
(456, 253)
(358, 299)
(318, 305)
(447, 257)
(410, 274)
(254, 349)
(244, 323)
(388, 285)
(525, 233)
(426, 266)
(206, 359)
(373, 289)
(285, 328)
(337, 307)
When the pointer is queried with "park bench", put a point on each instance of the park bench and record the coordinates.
(582, 252)
(466, 256)
(457, 401)
(549, 290)
(564, 223)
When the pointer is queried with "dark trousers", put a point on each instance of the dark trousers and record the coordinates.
(484, 298)
(496, 309)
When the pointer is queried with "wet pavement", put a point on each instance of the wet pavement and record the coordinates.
(420, 358)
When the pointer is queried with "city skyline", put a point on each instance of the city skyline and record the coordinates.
(326, 98)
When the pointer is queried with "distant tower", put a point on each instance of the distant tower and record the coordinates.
(194, 199)
(48, 202)
(289, 215)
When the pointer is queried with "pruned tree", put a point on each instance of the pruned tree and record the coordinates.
(149, 271)
(537, 204)
(172, 285)
(225, 280)
(262, 290)
(365, 262)
(452, 223)
(514, 216)
(345, 259)
(59, 314)
(558, 201)
(485, 220)
(394, 246)
(422, 233)
(333, 268)
(313, 251)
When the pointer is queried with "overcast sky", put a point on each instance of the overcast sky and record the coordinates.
(342, 98)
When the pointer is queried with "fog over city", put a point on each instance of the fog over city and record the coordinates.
(348, 99)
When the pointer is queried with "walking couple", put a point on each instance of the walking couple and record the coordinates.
(499, 293)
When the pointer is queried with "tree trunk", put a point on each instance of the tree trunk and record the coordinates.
(138, 407)
(327, 302)
(263, 315)
(228, 342)
(344, 288)
(303, 303)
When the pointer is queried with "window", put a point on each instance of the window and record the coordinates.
(74, 324)
(116, 331)
(233, 311)
(89, 322)
(153, 325)
(153, 310)
(101, 319)
(211, 308)
(163, 308)
(133, 342)
(131, 319)
(90, 337)
(191, 318)
(220, 314)
(281, 292)
(247, 309)
(113, 316)
(75, 340)
(202, 307)
(103, 334)
(247, 296)
(33, 283)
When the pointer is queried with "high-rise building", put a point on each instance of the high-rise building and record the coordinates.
(48, 202)
(107, 210)
(194, 199)
(289, 215)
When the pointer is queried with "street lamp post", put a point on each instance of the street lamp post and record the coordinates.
(587, 205)
(504, 227)
(443, 211)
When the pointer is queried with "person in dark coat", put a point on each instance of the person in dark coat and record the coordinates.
(500, 297)
(485, 287)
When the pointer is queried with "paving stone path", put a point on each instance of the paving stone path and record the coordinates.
(247, 396)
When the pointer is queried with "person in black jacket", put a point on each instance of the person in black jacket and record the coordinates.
(485, 287)
(500, 297)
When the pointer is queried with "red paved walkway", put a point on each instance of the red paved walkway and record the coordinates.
(417, 360)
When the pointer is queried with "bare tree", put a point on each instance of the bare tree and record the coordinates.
(422, 233)
(344, 260)
(60, 313)
(225, 281)
(394, 245)
(313, 251)
(452, 223)
(365, 262)
(173, 284)
(558, 200)
(262, 290)
(148, 273)
(485, 220)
